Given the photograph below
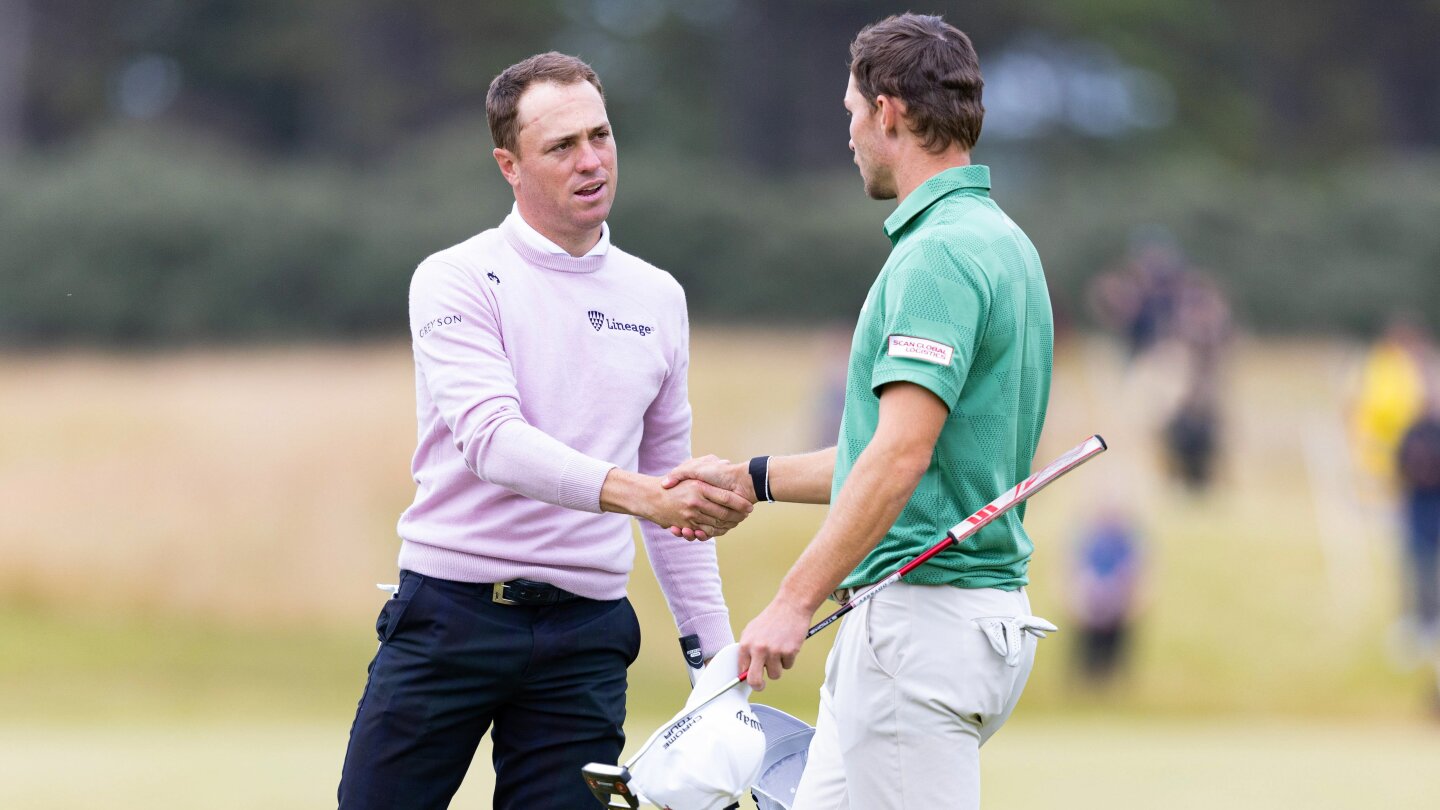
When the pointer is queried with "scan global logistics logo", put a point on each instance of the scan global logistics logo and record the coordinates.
(599, 321)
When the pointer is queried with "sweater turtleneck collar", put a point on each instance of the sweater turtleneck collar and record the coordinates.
(541, 252)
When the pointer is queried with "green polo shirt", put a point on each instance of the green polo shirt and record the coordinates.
(960, 308)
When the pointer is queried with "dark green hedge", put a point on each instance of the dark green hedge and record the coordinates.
(150, 237)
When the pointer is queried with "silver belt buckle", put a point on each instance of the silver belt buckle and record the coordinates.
(497, 595)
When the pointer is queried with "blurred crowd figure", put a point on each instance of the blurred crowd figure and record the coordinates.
(1175, 320)
(1104, 596)
(829, 404)
(1389, 397)
(1419, 473)
(1395, 430)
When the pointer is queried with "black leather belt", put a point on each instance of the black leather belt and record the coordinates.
(528, 592)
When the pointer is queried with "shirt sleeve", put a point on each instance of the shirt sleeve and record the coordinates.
(455, 330)
(688, 571)
(933, 304)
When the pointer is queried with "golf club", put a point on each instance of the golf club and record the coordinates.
(617, 775)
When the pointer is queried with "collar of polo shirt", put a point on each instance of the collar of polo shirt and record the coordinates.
(973, 178)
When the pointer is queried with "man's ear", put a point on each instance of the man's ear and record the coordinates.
(891, 112)
(509, 165)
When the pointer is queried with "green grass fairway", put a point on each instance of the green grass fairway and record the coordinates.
(1236, 764)
(1099, 764)
(190, 544)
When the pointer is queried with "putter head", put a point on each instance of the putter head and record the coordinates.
(611, 785)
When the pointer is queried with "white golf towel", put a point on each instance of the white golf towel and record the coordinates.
(712, 757)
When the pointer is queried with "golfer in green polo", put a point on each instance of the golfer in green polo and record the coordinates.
(945, 398)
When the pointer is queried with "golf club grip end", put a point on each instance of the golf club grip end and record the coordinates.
(694, 654)
(1101, 439)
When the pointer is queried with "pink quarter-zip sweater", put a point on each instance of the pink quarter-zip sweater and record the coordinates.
(536, 372)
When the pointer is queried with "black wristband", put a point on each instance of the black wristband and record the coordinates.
(760, 478)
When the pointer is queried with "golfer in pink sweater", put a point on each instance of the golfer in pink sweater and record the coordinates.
(550, 387)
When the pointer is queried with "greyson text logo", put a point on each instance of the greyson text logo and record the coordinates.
(432, 324)
(599, 321)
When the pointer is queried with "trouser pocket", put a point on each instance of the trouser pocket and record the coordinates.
(393, 611)
(888, 629)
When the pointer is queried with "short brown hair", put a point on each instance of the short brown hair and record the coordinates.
(931, 66)
(502, 102)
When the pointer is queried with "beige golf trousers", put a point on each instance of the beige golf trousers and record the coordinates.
(912, 689)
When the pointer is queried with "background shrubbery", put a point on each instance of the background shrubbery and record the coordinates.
(147, 236)
(220, 172)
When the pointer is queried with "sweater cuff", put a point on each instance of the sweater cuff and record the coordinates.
(713, 629)
(581, 481)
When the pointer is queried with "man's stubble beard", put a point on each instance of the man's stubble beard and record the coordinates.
(875, 190)
(874, 182)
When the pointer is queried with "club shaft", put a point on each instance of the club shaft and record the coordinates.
(1080, 454)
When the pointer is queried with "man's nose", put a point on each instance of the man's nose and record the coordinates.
(852, 144)
(588, 160)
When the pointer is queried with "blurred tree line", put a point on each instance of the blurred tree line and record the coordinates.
(220, 170)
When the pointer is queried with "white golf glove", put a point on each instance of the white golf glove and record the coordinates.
(1007, 633)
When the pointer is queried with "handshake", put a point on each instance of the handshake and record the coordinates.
(700, 499)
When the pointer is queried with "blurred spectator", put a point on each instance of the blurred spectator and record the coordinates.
(829, 404)
(1175, 322)
(1418, 469)
(1389, 398)
(1202, 328)
(1202, 325)
(1191, 440)
(1104, 596)
(1138, 300)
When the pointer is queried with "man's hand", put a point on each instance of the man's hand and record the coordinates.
(717, 472)
(701, 509)
(803, 478)
(772, 640)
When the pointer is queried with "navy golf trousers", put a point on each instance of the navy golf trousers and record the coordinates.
(452, 664)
